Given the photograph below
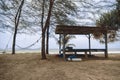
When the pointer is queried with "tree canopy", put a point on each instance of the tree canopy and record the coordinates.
(65, 12)
(111, 19)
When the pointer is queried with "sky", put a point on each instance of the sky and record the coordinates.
(24, 40)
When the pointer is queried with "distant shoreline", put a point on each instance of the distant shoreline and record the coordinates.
(56, 51)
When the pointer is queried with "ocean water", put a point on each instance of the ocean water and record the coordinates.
(54, 51)
(51, 51)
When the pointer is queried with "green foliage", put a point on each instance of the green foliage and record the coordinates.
(27, 20)
(62, 11)
(110, 19)
(67, 40)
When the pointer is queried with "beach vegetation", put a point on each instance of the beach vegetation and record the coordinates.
(110, 19)
(67, 40)
(41, 17)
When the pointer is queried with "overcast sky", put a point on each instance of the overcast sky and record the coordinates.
(25, 40)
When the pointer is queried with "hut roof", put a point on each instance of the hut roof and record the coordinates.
(65, 29)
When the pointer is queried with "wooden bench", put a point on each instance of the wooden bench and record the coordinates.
(84, 50)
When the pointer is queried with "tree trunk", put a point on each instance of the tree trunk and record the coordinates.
(45, 28)
(14, 40)
(17, 18)
(47, 41)
(43, 46)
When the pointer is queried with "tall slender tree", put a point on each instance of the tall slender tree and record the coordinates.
(60, 16)
(17, 18)
(47, 41)
(44, 29)
(56, 15)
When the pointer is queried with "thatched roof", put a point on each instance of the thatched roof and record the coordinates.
(64, 29)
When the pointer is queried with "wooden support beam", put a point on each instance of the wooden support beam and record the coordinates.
(86, 56)
(106, 46)
(60, 44)
(89, 45)
(64, 47)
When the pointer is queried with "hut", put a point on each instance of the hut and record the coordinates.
(82, 30)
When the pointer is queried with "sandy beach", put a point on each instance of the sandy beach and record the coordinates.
(31, 67)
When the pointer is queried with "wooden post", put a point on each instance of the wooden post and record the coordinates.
(86, 56)
(64, 47)
(89, 45)
(60, 44)
(106, 46)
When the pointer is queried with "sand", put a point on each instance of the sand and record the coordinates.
(31, 67)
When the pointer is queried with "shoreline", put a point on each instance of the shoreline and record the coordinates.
(54, 51)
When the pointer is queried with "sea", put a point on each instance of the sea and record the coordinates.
(53, 51)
